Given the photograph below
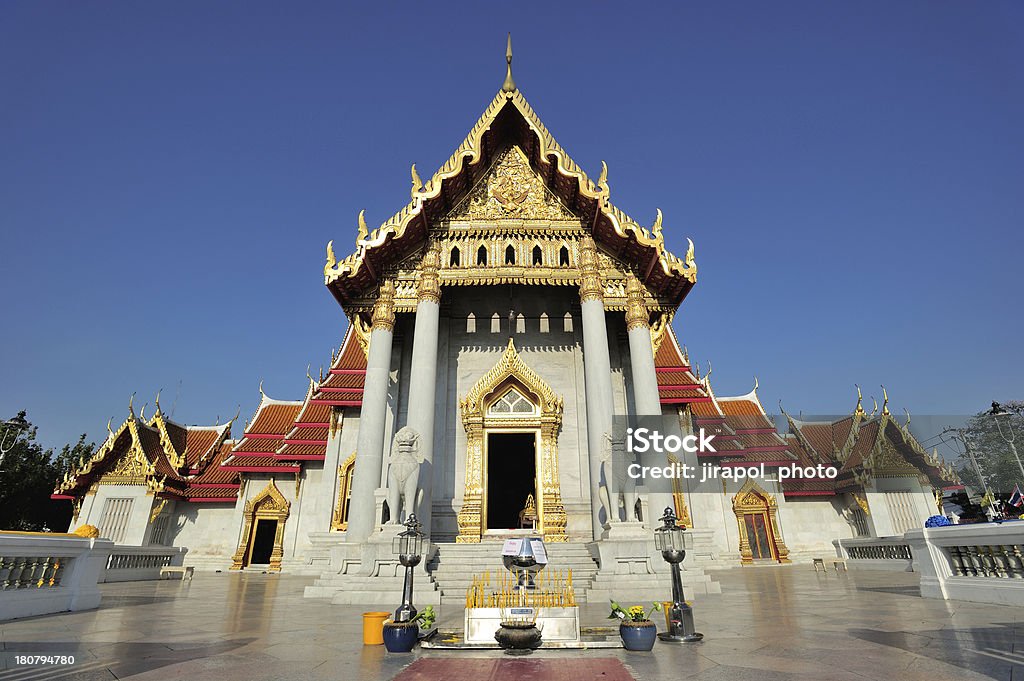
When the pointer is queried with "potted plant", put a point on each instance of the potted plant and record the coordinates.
(637, 630)
(400, 637)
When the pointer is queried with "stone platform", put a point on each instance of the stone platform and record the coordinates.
(784, 623)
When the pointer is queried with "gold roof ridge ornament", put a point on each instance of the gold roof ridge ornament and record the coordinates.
(510, 84)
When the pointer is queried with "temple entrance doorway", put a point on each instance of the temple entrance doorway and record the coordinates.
(262, 541)
(511, 480)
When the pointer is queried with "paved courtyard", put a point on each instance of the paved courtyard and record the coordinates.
(770, 623)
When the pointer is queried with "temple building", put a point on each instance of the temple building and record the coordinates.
(498, 323)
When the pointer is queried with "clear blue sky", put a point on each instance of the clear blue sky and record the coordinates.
(851, 174)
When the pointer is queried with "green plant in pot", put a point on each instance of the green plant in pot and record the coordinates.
(400, 637)
(637, 630)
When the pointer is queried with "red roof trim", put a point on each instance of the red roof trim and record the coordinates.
(684, 400)
(685, 386)
(808, 493)
(338, 403)
(61, 496)
(669, 370)
(213, 500)
(755, 431)
(341, 390)
(348, 372)
(264, 436)
(748, 464)
(310, 424)
(262, 469)
(300, 457)
(216, 485)
(304, 442)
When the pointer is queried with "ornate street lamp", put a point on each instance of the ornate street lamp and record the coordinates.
(669, 540)
(13, 428)
(409, 547)
(1000, 415)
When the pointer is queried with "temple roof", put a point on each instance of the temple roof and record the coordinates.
(862, 447)
(510, 122)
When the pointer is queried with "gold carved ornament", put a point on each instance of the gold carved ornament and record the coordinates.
(636, 310)
(384, 309)
(511, 190)
(590, 271)
(269, 504)
(753, 500)
(429, 288)
(511, 371)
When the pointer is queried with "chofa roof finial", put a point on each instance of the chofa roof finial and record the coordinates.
(509, 85)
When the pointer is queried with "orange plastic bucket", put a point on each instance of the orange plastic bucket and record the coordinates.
(373, 628)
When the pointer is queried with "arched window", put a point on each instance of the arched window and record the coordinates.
(563, 256)
(513, 403)
(454, 262)
(481, 256)
(510, 255)
(538, 256)
(471, 323)
(339, 521)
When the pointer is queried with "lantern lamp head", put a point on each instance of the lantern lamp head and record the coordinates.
(410, 542)
(669, 538)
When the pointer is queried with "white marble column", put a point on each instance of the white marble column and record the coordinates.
(372, 417)
(596, 373)
(646, 398)
(423, 378)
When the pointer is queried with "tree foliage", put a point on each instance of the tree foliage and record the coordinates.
(28, 474)
(993, 453)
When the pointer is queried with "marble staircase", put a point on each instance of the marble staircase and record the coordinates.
(454, 566)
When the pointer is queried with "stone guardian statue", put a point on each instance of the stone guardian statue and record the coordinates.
(404, 474)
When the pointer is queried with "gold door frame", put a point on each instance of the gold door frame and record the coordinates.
(511, 371)
(753, 499)
(269, 504)
(500, 429)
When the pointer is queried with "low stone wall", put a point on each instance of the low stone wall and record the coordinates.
(47, 573)
(136, 563)
(983, 563)
(876, 553)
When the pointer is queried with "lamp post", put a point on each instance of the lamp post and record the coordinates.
(999, 415)
(13, 429)
(669, 540)
(409, 546)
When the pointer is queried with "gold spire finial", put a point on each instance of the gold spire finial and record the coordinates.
(363, 230)
(874, 406)
(509, 85)
(331, 259)
(656, 229)
(157, 400)
(417, 183)
(859, 411)
(602, 180)
(885, 402)
(131, 404)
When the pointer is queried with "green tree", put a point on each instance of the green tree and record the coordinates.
(993, 453)
(28, 474)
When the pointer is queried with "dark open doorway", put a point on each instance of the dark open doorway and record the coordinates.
(511, 477)
(263, 541)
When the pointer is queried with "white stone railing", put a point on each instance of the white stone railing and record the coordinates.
(982, 563)
(47, 573)
(134, 563)
(880, 553)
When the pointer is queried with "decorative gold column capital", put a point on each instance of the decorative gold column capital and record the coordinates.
(590, 273)
(429, 287)
(636, 309)
(384, 310)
